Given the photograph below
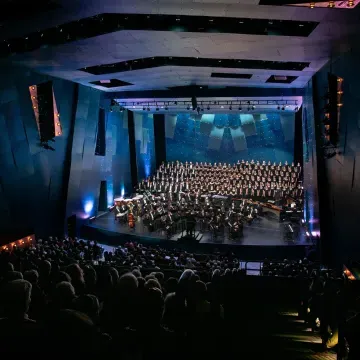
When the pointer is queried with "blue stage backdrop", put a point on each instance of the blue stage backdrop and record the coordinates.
(230, 137)
(145, 145)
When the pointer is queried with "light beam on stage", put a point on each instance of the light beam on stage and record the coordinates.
(110, 193)
(88, 206)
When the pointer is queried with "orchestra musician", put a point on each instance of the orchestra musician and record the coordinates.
(193, 185)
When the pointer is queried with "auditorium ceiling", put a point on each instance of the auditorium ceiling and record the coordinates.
(139, 45)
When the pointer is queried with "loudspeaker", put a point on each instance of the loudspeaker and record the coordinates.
(194, 102)
(46, 111)
(71, 226)
(100, 148)
(103, 196)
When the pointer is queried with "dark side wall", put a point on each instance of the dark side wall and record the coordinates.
(31, 178)
(38, 187)
(343, 171)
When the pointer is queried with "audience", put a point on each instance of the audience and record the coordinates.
(138, 301)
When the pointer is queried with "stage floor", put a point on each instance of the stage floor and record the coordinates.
(264, 231)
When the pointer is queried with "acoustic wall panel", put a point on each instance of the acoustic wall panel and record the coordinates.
(42, 167)
(32, 177)
(82, 185)
(44, 183)
(82, 111)
(239, 139)
(7, 165)
(5, 145)
(145, 144)
(144, 141)
(215, 138)
(10, 94)
(64, 103)
(242, 138)
(120, 166)
(170, 125)
(248, 124)
(88, 154)
(288, 126)
(13, 122)
(125, 120)
(138, 123)
(207, 123)
(23, 159)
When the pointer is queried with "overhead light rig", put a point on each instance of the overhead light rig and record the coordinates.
(201, 106)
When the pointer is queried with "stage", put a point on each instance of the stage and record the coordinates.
(265, 237)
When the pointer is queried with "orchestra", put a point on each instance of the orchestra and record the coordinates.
(216, 196)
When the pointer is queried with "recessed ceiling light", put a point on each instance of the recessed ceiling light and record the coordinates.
(241, 22)
(301, 25)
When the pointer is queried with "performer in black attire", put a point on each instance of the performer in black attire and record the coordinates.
(206, 193)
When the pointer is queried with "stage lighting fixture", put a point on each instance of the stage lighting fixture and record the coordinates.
(148, 109)
(175, 102)
(188, 107)
(278, 107)
(230, 107)
(296, 108)
(157, 109)
(283, 108)
(240, 108)
(249, 108)
(143, 108)
(312, 5)
(166, 108)
(331, 4)
(253, 107)
(208, 107)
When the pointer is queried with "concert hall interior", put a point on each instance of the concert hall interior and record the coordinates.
(203, 126)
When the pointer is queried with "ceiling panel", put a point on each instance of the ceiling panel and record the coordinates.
(335, 30)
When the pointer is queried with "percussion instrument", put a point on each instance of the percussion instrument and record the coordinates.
(131, 221)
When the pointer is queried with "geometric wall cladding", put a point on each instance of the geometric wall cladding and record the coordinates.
(248, 124)
(36, 105)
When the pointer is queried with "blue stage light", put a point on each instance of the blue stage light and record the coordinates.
(88, 206)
